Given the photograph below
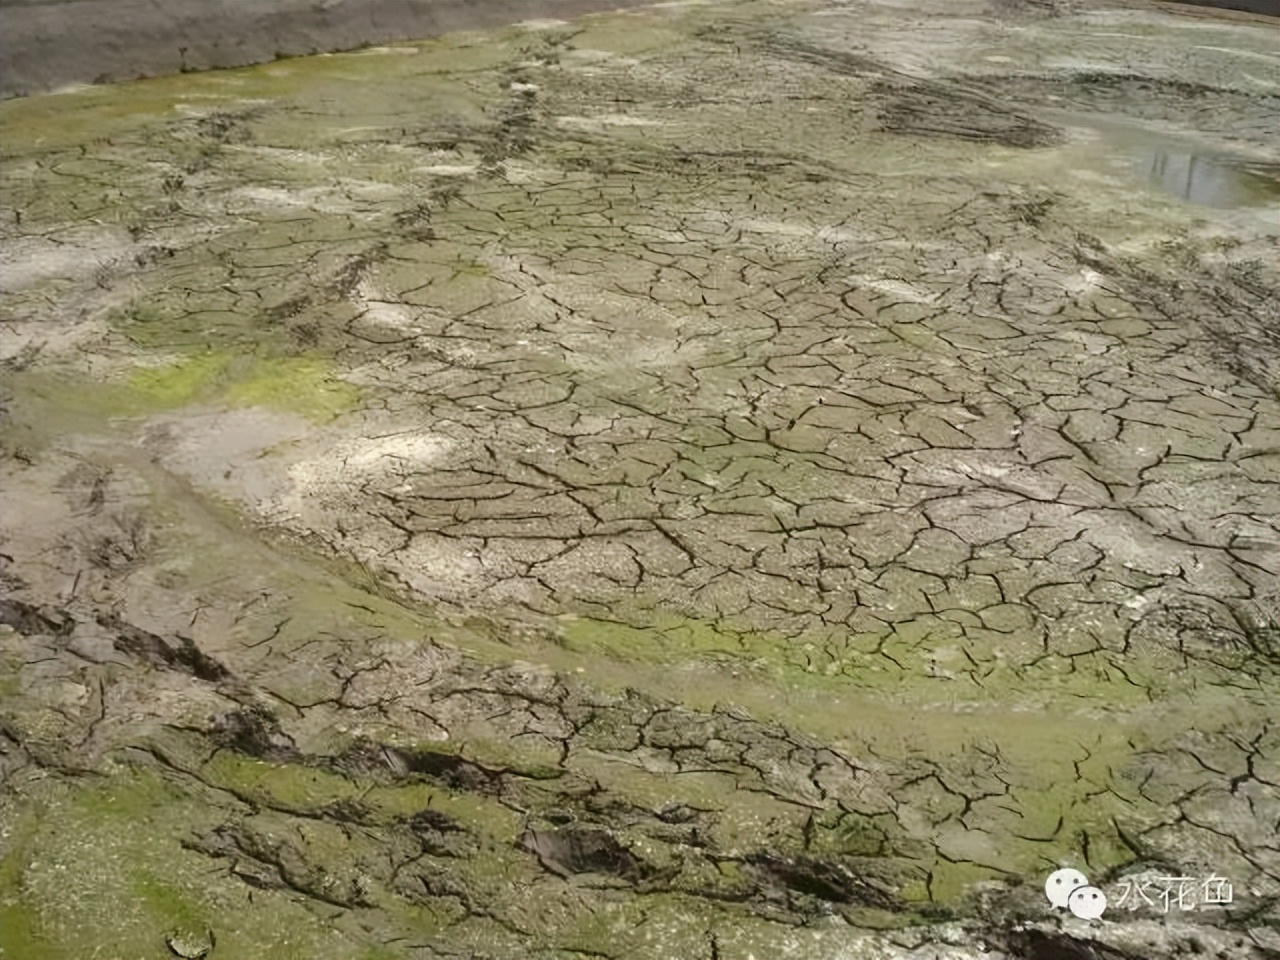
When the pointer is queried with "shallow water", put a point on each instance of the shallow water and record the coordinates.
(1213, 181)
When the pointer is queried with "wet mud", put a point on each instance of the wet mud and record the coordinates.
(720, 480)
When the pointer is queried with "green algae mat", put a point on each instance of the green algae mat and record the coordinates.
(722, 480)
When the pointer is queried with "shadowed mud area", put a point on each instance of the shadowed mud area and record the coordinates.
(725, 480)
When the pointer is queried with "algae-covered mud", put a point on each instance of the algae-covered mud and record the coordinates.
(726, 480)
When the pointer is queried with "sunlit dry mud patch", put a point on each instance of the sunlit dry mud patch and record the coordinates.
(729, 479)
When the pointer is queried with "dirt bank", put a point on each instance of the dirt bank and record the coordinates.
(1270, 8)
(48, 44)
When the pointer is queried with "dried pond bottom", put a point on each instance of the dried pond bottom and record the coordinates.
(724, 480)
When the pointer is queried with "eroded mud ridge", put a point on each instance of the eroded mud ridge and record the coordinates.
(724, 480)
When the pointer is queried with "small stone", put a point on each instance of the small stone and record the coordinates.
(190, 947)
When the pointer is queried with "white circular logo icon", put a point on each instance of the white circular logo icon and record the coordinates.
(1087, 903)
(1062, 883)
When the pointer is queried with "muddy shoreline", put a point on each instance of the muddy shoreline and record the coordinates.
(46, 45)
(1269, 8)
(57, 43)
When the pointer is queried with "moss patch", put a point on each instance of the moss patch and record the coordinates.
(917, 658)
(104, 872)
(180, 383)
(302, 385)
(20, 934)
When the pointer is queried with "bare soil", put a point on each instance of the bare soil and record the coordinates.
(718, 480)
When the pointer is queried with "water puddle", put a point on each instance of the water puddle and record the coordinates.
(1211, 181)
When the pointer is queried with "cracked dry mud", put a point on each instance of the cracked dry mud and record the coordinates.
(724, 480)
